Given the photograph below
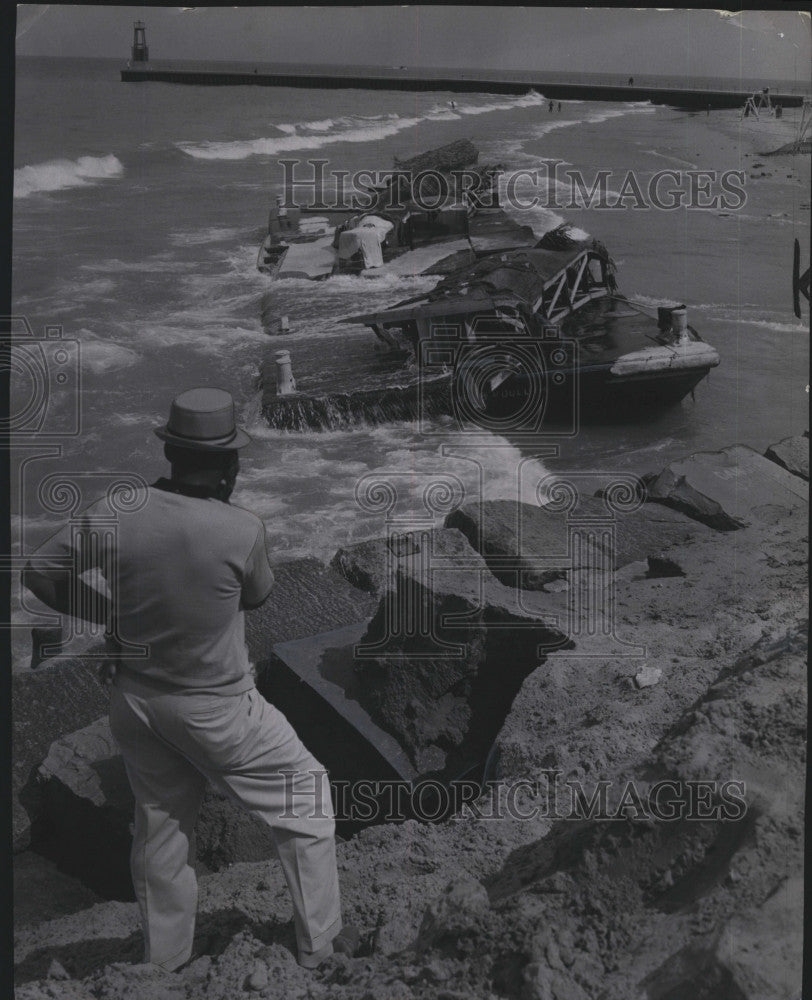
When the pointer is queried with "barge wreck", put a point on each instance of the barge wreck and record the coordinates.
(542, 331)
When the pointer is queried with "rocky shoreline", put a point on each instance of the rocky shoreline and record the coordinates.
(690, 675)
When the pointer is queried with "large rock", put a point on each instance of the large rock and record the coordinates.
(729, 489)
(307, 598)
(62, 695)
(762, 948)
(791, 454)
(446, 651)
(88, 808)
(529, 545)
(371, 565)
(756, 955)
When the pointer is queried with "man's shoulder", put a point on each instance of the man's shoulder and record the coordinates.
(213, 512)
(248, 518)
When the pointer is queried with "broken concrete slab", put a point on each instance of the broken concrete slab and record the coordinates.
(445, 652)
(791, 454)
(532, 546)
(308, 597)
(325, 663)
(729, 489)
(87, 801)
(370, 565)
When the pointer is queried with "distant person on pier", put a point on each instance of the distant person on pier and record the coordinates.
(181, 567)
(551, 106)
(631, 81)
(559, 105)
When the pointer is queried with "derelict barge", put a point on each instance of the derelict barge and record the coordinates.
(406, 229)
(542, 331)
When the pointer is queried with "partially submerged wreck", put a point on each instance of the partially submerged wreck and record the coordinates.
(426, 209)
(542, 329)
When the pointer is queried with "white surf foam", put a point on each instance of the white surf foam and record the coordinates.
(359, 130)
(530, 100)
(354, 128)
(151, 265)
(524, 191)
(776, 327)
(215, 234)
(100, 357)
(56, 175)
(318, 521)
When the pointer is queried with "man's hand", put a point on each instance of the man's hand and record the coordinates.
(69, 595)
(107, 672)
(109, 666)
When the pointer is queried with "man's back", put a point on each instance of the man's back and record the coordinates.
(180, 569)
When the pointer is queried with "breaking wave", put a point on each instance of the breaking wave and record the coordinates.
(530, 100)
(359, 130)
(353, 128)
(56, 175)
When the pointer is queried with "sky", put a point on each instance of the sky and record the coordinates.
(757, 44)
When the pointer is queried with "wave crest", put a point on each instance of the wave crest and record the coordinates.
(308, 135)
(56, 175)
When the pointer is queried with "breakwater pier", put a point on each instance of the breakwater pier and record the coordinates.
(594, 87)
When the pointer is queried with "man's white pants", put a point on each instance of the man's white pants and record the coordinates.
(172, 743)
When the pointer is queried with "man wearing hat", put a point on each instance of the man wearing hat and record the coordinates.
(185, 566)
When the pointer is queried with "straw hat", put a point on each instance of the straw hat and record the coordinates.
(203, 419)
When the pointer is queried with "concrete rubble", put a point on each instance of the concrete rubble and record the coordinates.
(791, 454)
(533, 541)
(730, 488)
(623, 900)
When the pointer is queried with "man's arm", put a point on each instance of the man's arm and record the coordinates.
(55, 575)
(257, 578)
(69, 595)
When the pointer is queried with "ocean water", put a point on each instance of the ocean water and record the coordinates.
(139, 210)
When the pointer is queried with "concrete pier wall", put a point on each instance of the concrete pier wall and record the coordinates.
(225, 74)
